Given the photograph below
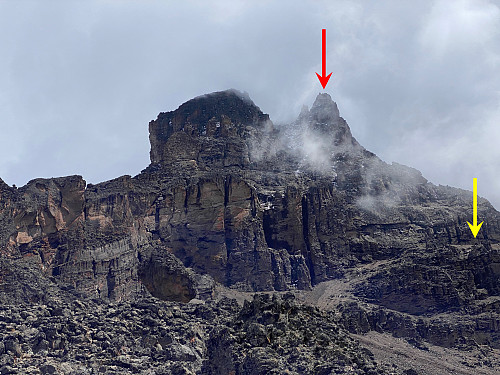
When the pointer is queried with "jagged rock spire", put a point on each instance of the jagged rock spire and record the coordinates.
(324, 120)
(324, 109)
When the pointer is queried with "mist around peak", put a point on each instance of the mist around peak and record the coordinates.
(320, 143)
(313, 139)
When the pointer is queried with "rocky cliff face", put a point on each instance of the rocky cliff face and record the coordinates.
(208, 131)
(231, 199)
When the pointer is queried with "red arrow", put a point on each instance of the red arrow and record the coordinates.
(323, 78)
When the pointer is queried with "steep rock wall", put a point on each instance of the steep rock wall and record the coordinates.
(266, 220)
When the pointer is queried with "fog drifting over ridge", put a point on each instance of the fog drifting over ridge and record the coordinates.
(418, 83)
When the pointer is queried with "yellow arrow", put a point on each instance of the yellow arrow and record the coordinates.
(474, 228)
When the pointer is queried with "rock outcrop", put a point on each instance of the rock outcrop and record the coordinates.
(208, 131)
(231, 199)
(277, 336)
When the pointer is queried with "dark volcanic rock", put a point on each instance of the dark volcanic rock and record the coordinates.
(267, 335)
(324, 119)
(277, 336)
(166, 278)
(262, 223)
(230, 199)
(207, 130)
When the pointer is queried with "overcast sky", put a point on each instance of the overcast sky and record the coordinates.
(417, 81)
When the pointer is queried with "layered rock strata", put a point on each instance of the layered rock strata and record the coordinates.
(230, 198)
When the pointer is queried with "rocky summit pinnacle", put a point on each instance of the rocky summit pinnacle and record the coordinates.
(324, 122)
(140, 268)
(324, 108)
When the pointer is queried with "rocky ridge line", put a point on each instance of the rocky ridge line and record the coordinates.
(230, 199)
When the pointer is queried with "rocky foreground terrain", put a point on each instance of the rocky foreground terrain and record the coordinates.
(248, 248)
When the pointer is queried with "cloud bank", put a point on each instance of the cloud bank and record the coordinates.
(418, 82)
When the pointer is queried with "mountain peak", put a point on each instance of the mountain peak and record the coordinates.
(324, 120)
(231, 103)
(324, 108)
(230, 206)
(222, 101)
(207, 122)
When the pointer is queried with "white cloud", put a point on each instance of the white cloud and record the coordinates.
(459, 27)
(418, 82)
